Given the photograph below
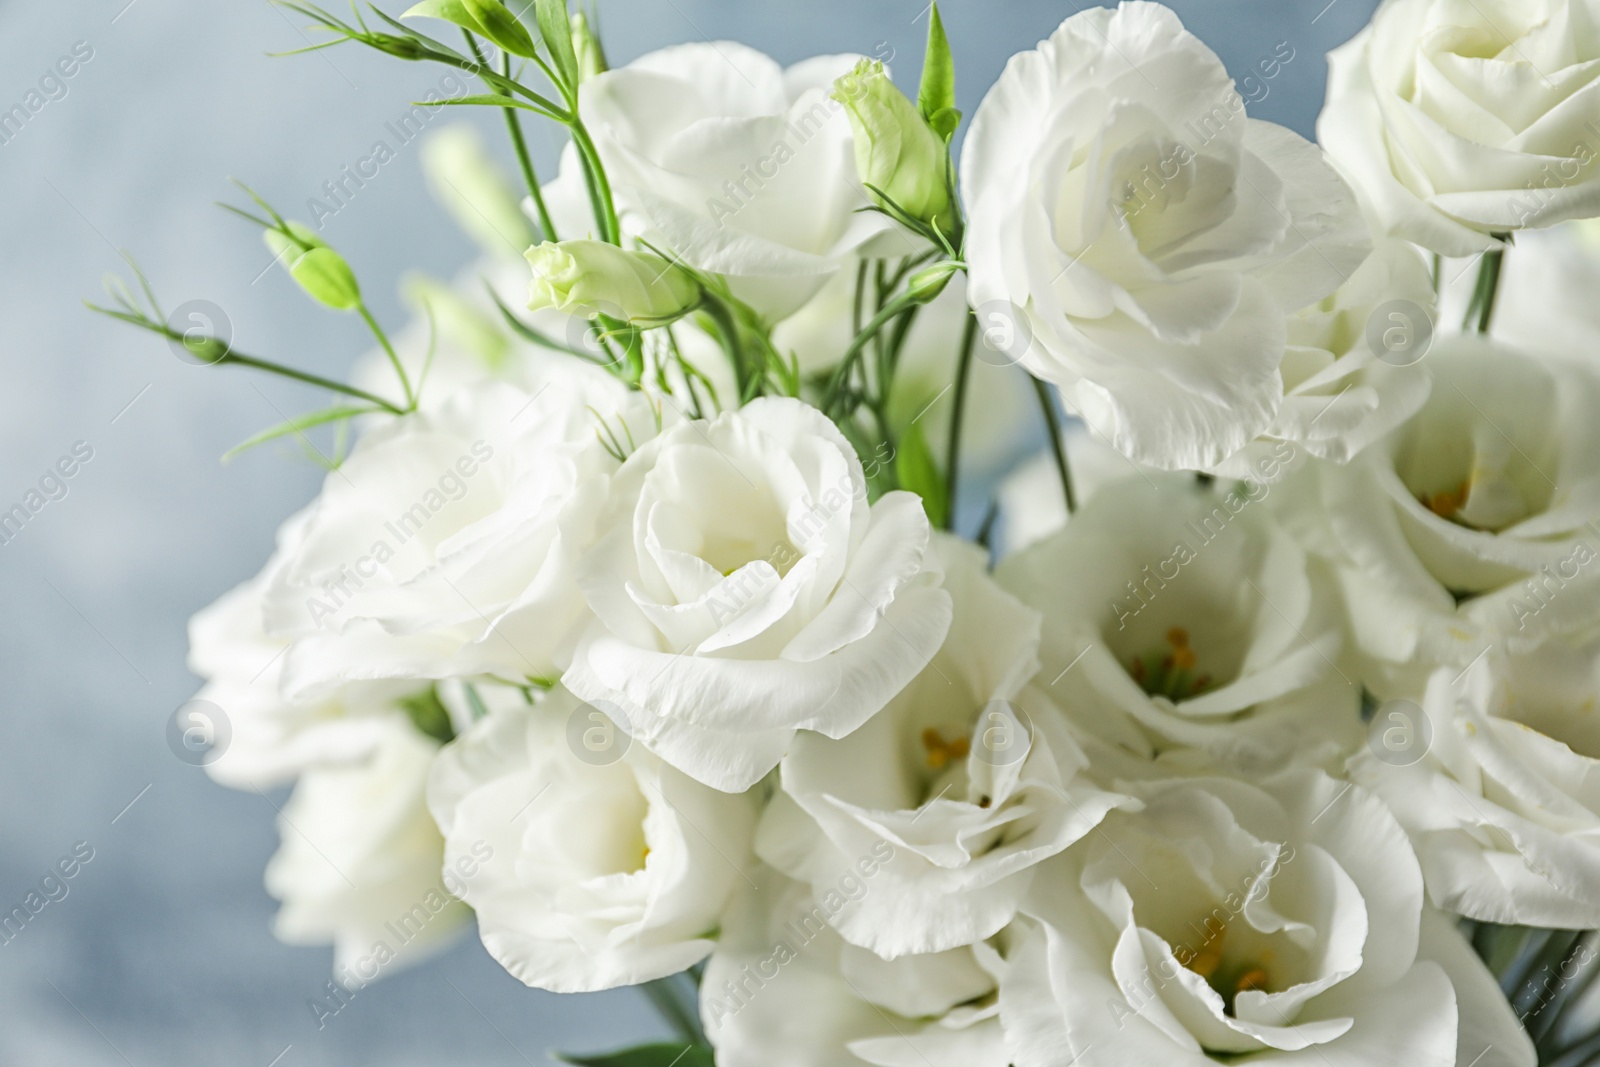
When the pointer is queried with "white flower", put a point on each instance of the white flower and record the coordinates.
(744, 589)
(1226, 919)
(608, 867)
(972, 779)
(782, 990)
(269, 738)
(445, 544)
(1502, 807)
(1471, 524)
(739, 166)
(1458, 121)
(1188, 626)
(1353, 370)
(1152, 237)
(361, 864)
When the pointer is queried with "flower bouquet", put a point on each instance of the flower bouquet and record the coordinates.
(1253, 720)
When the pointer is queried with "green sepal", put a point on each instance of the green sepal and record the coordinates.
(429, 715)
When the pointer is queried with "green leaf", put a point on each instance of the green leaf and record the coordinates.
(665, 1054)
(556, 28)
(916, 470)
(937, 95)
(296, 425)
(489, 19)
(429, 715)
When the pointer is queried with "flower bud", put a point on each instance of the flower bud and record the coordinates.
(585, 42)
(321, 271)
(897, 152)
(585, 277)
(925, 286)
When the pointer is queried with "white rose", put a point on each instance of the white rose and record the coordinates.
(360, 864)
(1152, 236)
(1353, 370)
(740, 166)
(608, 868)
(445, 544)
(269, 738)
(1492, 776)
(744, 589)
(1279, 924)
(1458, 121)
(1187, 626)
(1473, 523)
(783, 990)
(972, 781)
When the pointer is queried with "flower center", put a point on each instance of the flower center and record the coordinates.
(942, 753)
(1170, 672)
(1228, 977)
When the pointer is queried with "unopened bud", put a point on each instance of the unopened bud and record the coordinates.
(320, 271)
(582, 277)
(897, 152)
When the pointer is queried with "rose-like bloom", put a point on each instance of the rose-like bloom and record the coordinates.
(1151, 237)
(783, 990)
(445, 544)
(585, 277)
(1354, 369)
(1187, 626)
(1473, 523)
(608, 868)
(972, 780)
(739, 166)
(1278, 924)
(1458, 121)
(270, 738)
(1493, 776)
(744, 589)
(360, 864)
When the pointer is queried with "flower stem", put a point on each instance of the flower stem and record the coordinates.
(394, 358)
(675, 1008)
(594, 175)
(547, 229)
(952, 463)
(1052, 422)
(1486, 289)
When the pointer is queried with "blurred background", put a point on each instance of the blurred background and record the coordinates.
(161, 952)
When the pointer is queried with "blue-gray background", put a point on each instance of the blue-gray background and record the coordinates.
(161, 953)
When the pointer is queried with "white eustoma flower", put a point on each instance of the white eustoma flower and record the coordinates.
(783, 990)
(608, 867)
(269, 738)
(1151, 237)
(1354, 368)
(743, 589)
(738, 165)
(1494, 776)
(362, 863)
(969, 775)
(1187, 626)
(1472, 524)
(1279, 924)
(1457, 121)
(445, 544)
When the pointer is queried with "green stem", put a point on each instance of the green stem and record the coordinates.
(525, 161)
(670, 1003)
(746, 376)
(952, 463)
(1052, 422)
(1485, 289)
(302, 376)
(841, 374)
(594, 175)
(394, 358)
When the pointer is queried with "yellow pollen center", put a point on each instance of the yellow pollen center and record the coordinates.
(942, 752)
(1169, 672)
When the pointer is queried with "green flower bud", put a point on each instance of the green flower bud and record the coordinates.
(897, 152)
(399, 47)
(591, 56)
(321, 271)
(589, 277)
(925, 286)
